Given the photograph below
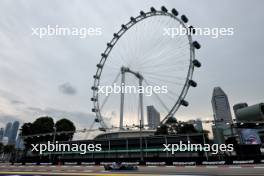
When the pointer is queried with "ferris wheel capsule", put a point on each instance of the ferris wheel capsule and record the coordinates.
(196, 45)
(164, 9)
(174, 12)
(142, 13)
(184, 103)
(153, 10)
(184, 19)
(133, 19)
(192, 83)
(196, 63)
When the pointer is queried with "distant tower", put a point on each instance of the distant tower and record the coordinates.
(5, 140)
(153, 117)
(1, 134)
(8, 129)
(13, 134)
(198, 125)
(221, 107)
(19, 143)
(239, 106)
(218, 133)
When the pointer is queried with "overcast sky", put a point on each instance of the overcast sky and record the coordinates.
(52, 76)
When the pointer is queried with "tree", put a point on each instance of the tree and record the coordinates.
(27, 129)
(46, 125)
(8, 149)
(186, 128)
(43, 125)
(40, 125)
(171, 120)
(1, 148)
(64, 125)
(162, 130)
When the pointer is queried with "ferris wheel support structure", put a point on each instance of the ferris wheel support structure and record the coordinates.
(122, 93)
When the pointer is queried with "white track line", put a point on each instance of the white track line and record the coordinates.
(211, 166)
(190, 166)
(87, 171)
(234, 167)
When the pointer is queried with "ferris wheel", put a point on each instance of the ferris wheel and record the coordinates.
(145, 52)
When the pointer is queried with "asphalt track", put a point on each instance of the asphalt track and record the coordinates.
(73, 170)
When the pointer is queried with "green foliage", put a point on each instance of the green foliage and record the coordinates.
(64, 125)
(8, 149)
(40, 125)
(186, 129)
(43, 125)
(171, 120)
(162, 130)
(27, 129)
(46, 125)
(1, 148)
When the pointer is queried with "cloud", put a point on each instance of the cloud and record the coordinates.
(67, 88)
(5, 118)
(10, 97)
(16, 102)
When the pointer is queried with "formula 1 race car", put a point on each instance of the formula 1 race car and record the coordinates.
(120, 166)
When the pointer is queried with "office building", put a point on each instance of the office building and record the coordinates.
(198, 125)
(238, 106)
(221, 107)
(13, 133)
(1, 134)
(218, 133)
(153, 117)
(253, 113)
(8, 129)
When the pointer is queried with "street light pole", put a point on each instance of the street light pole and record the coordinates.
(54, 135)
(141, 150)
(54, 138)
(206, 154)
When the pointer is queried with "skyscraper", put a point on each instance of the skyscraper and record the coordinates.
(218, 133)
(1, 134)
(153, 117)
(221, 107)
(19, 143)
(8, 129)
(13, 133)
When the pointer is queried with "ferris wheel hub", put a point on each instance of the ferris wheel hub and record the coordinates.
(127, 69)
